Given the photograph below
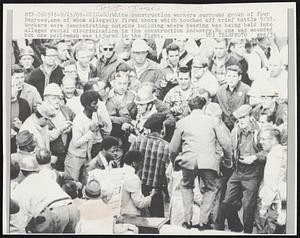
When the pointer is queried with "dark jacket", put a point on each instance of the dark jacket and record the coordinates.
(57, 146)
(37, 78)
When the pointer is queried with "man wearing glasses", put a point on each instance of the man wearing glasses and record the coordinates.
(202, 77)
(107, 64)
(48, 72)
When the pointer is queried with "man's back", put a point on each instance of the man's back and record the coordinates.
(156, 155)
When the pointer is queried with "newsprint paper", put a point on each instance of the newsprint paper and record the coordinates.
(170, 119)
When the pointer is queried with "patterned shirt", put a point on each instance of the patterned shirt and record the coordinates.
(156, 156)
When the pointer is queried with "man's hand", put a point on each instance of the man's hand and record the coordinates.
(17, 123)
(247, 159)
(66, 127)
(126, 127)
(176, 109)
(94, 127)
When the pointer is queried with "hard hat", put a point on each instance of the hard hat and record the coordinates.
(29, 163)
(53, 89)
(140, 45)
(26, 51)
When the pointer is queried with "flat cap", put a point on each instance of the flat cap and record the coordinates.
(24, 138)
(243, 110)
(92, 189)
(47, 110)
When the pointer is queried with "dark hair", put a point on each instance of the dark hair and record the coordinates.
(155, 122)
(172, 47)
(271, 117)
(14, 169)
(123, 67)
(109, 142)
(47, 46)
(89, 85)
(170, 125)
(16, 69)
(71, 189)
(235, 68)
(197, 102)
(88, 97)
(26, 173)
(276, 133)
(38, 115)
(201, 91)
(43, 156)
(133, 156)
(185, 69)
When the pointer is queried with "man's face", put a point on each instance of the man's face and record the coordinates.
(198, 70)
(14, 90)
(70, 71)
(232, 78)
(121, 83)
(220, 49)
(93, 107)
(53, 100)
(263, 122)
(68, 88)
(266, 101)
(173, 57)
(50, 58)
(266, 140)
(184, 80)
(181, 43)
(62, 51)
(140, 57)
(107, 50)
(84, 58)
(142, 108)
(26, 61)
(239, 49)
(265, 44)
(244, 121)
(18, 79)
(274, 68)
(101, 88)
(111, 153)
(91, 47)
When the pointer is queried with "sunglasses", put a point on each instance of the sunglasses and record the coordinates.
(106, 49)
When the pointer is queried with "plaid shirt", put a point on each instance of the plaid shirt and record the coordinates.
(156, 156)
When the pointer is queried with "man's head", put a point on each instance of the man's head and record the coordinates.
(101, 87)
(242, 114)
(145, 97)
(91, 45)
(199, 67)
(173, 53)
(43, 157)
(267, 120)
(28, 165)
(134, 158)
(62, 51)
(121, 82)
(53, 95)
(18, 77)
(25, 141)
(89, 100)
(49, 56)
(68, 86)
(70, 69)
(92, 189)
(181, 42)
(184, 78)
(264, 43)
(269, 138)
(26, 57)
(237, 47)
(274, 66)
(197, 103)
(109, 147)
(107, 47)
(140, 51)
(82, 55)
(233, 75)
(155, 123)
(220, 49)
(45, 112)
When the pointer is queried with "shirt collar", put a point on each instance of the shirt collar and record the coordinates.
(103, 160)
(235, 88)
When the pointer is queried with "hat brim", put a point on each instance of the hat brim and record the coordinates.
(144, 102)
(90, 195)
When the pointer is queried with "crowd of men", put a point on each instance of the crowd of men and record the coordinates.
(203, 130)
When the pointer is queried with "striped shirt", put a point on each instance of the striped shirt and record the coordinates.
(156, 157)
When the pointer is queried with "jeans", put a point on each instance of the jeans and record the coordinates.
(156, 208)
(209, 178)
(239, 186)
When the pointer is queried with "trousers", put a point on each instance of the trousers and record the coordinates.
(209, 178)
(239, 187)
(74, 166)
(156, 208)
